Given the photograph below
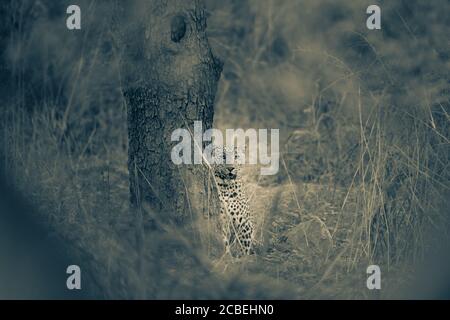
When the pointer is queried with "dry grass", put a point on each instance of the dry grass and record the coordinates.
(364, 122)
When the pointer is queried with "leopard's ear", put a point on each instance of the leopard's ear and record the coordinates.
(218, 154)
(239, 154)
(244, 148)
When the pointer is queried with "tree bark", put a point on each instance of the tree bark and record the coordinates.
(169, 79)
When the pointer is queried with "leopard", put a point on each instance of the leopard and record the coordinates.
(235, 219)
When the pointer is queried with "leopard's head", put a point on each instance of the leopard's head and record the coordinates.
(227, 162)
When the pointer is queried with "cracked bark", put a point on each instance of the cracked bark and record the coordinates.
(169, 78)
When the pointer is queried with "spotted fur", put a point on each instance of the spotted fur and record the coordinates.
(235, 219)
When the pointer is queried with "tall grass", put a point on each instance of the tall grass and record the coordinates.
(364, 121)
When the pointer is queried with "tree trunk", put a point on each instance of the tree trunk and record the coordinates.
(169, 81)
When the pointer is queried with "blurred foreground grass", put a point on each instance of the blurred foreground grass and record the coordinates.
(364, 122)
